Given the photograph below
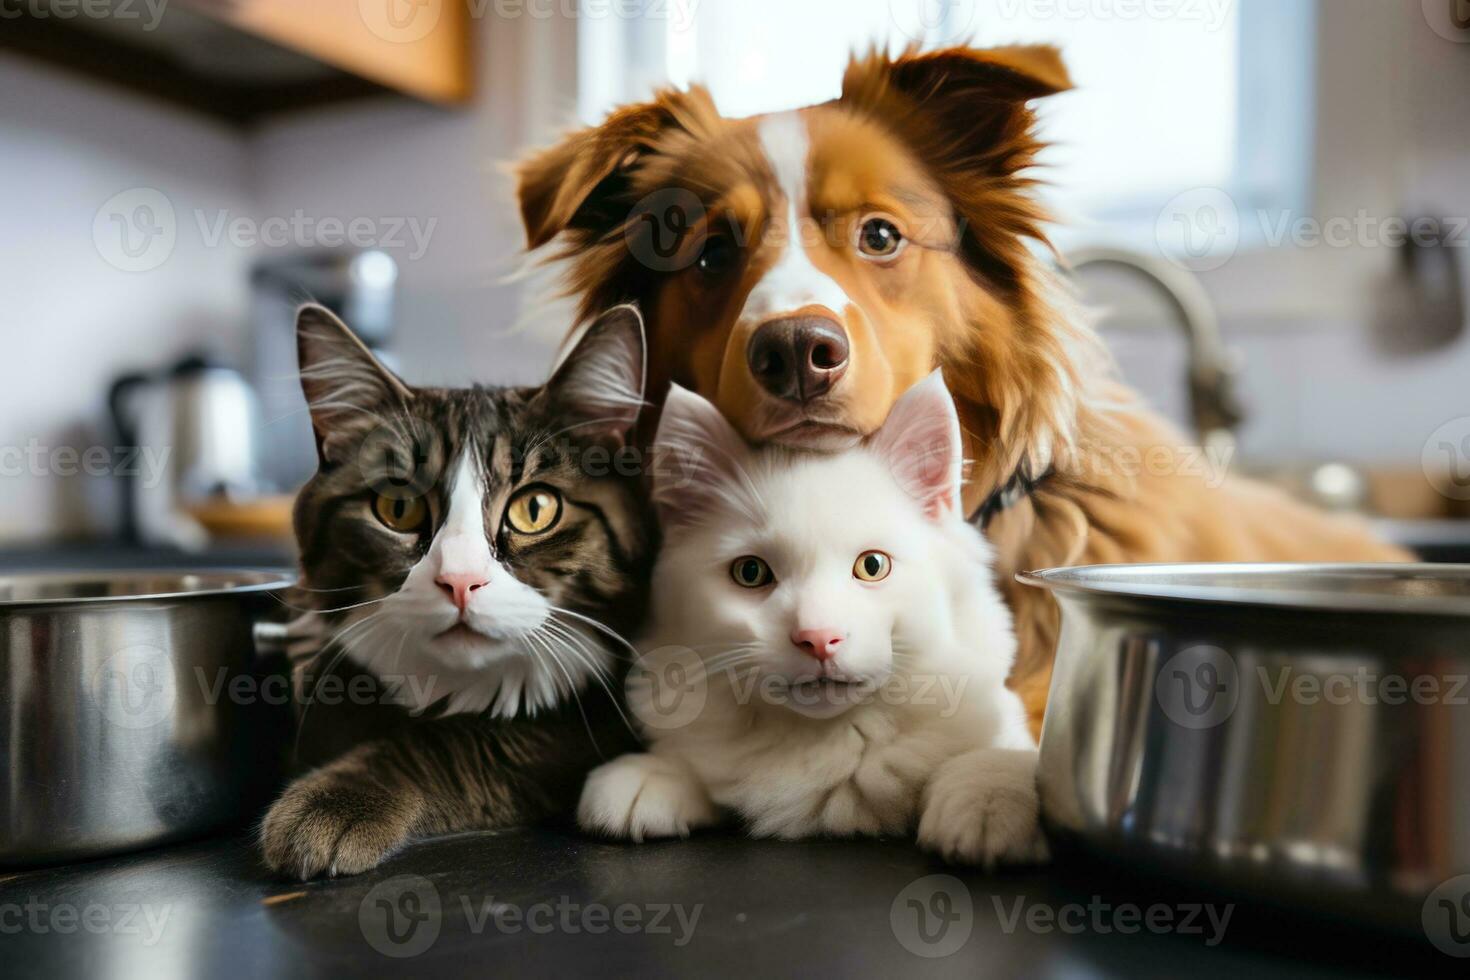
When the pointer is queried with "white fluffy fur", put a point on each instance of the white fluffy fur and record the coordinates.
(925, 739)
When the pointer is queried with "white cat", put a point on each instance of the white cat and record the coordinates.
(827, 652)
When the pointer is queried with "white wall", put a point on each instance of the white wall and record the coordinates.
(69, 320)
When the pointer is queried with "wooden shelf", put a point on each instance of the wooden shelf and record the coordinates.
(241, 60)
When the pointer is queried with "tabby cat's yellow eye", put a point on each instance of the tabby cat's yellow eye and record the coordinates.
(872, 566)
(534, 510)
(401, 514)
(751, 572)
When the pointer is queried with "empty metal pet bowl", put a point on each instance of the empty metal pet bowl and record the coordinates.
(1294, 731)
(133, 709)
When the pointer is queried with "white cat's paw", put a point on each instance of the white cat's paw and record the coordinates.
(982, 808)
(644, 796)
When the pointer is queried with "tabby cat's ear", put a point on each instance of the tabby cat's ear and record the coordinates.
(699, 462)
(346, 387)
(598, 387)
(920, 444)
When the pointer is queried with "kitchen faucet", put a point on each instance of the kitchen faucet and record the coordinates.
(1214, 408)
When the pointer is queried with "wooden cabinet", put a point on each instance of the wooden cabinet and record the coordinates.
(420, 47)
(245, 59)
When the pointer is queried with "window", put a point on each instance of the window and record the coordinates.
(1172, 95)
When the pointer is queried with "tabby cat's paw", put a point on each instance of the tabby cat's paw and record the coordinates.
(982, 808)
(325, 824)
(644, 796)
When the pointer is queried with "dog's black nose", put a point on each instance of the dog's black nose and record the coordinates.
(798, 357)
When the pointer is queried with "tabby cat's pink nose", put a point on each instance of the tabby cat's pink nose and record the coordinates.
(458, 586)
(819, 643)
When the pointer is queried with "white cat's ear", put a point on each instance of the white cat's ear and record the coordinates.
(920, 443)
(699, 461)
(598, 387)
(346, 387)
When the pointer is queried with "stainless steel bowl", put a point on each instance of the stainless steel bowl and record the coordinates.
(133, 709)
(1295, 731)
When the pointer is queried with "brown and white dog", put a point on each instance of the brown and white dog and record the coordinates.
(803, 269)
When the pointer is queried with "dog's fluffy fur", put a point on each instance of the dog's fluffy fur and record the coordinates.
(942, 143)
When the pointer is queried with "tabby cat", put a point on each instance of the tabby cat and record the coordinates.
(477, 551)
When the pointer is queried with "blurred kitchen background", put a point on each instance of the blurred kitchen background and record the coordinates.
(1236, 177)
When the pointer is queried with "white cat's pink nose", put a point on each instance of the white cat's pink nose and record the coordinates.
(819, 643)
(458, 586)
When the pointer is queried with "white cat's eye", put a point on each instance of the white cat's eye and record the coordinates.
(401, 514)
(534, 510)
(751, 572)
(872, 566)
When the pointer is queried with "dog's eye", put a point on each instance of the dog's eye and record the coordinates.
(718, 256)
(879, 238)
(401, 514)
(751, 572)
(872, 566)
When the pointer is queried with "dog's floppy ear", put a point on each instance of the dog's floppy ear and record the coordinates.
(1009, 74)
(581, 182)
(974, 100)
(965, 112)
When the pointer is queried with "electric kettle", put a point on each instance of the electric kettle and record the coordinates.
(193, 433)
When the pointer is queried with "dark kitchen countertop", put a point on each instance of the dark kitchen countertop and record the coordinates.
(810, 909)
(816, 908)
